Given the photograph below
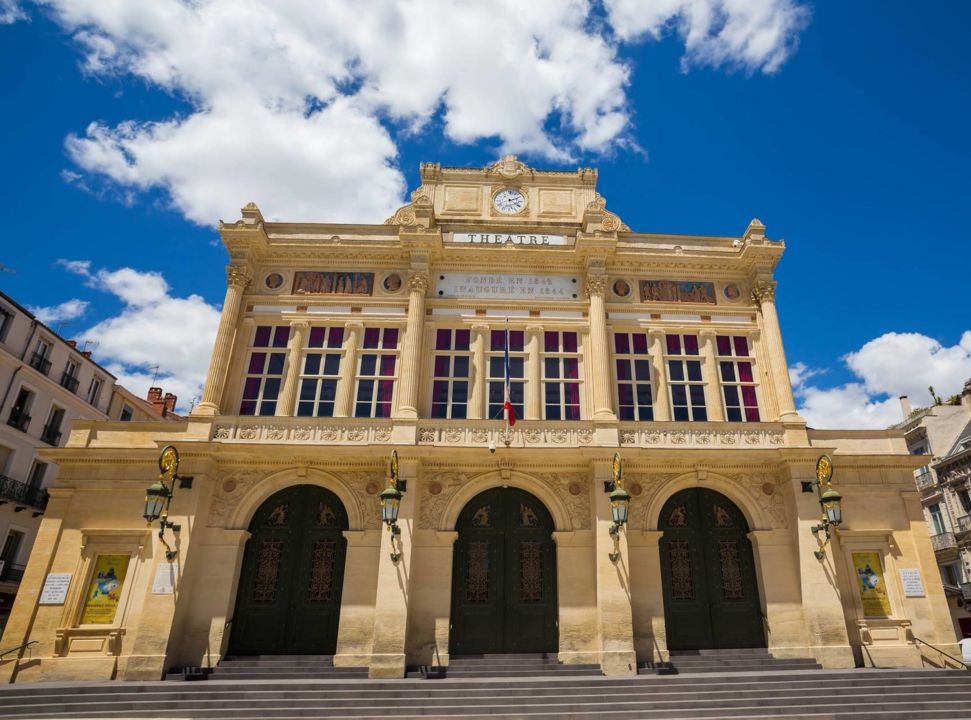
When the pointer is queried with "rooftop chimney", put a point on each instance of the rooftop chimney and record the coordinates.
(154, 398)
(170, 403)
(905, 406)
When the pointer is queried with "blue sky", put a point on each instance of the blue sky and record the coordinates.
(842, 126)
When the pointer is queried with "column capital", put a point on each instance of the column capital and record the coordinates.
(238, 276)
(418, 281)
(354, 325)
(481, 326)
(595, 285)
(707, 334)
(763, 290)
(534, 328)
(299, 325)
(656, 332)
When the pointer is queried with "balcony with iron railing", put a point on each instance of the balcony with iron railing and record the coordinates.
(51, 435)
(11, 572)
(925, 480)
(22, 495)
(69, 381)
(40, 363)
(944, 541)
(19, 419)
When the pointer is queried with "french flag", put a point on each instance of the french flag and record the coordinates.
(508, 410)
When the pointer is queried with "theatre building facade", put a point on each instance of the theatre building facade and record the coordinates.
(341, 343)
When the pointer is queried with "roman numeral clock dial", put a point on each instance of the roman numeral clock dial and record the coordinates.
(509, 201)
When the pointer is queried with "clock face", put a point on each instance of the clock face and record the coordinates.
(509, 201)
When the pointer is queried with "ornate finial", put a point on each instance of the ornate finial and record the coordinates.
(509, 167)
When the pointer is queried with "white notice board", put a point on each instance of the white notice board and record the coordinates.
(55, 589)
(913, 585)
(165, 577)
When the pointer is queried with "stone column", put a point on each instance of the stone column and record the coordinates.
(599, 349)
(410, 373)
(617, 655)
(288, 395)
(763, 294)
(238, 277)
(344, 402)
(662, 408)
(716, 405)
(356, 627)
(480, 371)
(394, 598)
(534, 373)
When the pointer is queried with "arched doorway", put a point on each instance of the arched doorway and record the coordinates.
(711, 596)
(504, 576)
(289, 595)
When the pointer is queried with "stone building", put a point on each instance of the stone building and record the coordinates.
(942, 432)
(339, 343)
(46, 384)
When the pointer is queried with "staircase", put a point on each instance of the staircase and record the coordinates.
(740, 660)
(510, 665)
(776, 695)
(275, 667)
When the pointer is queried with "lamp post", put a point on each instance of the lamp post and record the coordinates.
(829, 500)
(391, 503)
(619, 504)
(158, 496)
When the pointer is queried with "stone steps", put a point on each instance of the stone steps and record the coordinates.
(728, 660)
(788, 695)
(270, 667)
(507, 665)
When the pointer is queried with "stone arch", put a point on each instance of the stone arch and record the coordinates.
(555, 506)
(755, 515)
(242, 514)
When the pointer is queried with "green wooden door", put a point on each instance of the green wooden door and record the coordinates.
(711, 597)
(289, 595)
(504, 576)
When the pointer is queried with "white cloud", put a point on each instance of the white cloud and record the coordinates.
(298, 104)
(153, 328)
(753, 35)
(52, 315)
(11, 12)
(889, 366)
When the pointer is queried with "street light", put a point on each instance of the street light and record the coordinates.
(391, 503)
(619, 504)
(158, 496)
(829, 500)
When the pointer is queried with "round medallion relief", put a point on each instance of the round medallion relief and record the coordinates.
(392, 282)
(575, 488)
(434, 488)
(229, 486)
(635, 489)
(768, 488)
(273, 281)
(732, 292)
(372, 488)
(621, 288)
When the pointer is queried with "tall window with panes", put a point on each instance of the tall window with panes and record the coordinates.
(497, 373)
(320, 372)
(264, 370)
(450, 384)
(635, 399)
(376, 373)
(561, 376)
(735, 368)
(685, 381)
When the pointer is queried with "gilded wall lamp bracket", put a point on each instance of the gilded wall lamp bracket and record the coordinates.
(391, 504)
(619, 504)
(158, 497)
(829, 500)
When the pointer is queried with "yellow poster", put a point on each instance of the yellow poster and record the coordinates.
(104, 591)
(873, 588)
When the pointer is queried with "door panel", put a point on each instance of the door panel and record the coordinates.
(708, 574)
(504, 576)
(288, 601)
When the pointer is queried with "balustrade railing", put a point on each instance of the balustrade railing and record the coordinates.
(964, 523)
(925, 480)
(20, 492)
(944, 541)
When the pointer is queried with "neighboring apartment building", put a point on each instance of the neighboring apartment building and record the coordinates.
(45, 384)
(943, 433)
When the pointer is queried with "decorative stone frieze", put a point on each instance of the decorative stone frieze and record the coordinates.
(675, 435)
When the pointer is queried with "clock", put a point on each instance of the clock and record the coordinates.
(509, 201)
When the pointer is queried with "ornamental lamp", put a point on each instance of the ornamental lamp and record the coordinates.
(619, 506)
(155, 497)
(390, 503)
(831, 502)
